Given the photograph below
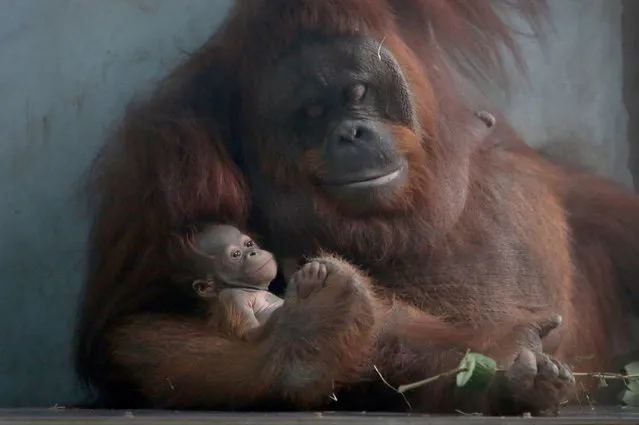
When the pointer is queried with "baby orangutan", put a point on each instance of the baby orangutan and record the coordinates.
(233, 274)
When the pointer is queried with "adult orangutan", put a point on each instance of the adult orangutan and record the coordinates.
(347, 126)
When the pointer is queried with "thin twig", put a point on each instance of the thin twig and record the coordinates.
(606, 375)
(332, 395)
(461, 412)
(391, 387)
(379, 48)
(408, 387)
(588, 399)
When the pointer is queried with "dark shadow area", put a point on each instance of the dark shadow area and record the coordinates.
(630, 32)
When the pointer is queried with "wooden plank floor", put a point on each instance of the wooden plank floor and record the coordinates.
(573, 415)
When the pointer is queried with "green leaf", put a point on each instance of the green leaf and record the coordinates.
(479, 371)
(632, 385)
(630, 398)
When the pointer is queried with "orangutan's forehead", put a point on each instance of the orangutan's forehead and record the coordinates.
(215, 239)
(320, 67)
(319, 62)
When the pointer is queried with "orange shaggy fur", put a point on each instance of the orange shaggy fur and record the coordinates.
(486, 235)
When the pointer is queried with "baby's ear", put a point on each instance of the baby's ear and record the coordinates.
(204, 288)
(177, 247)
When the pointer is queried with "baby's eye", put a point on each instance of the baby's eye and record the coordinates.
(235, 254)
(249, 244)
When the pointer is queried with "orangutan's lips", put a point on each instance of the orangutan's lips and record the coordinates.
(378, 181)
(261, 267)
(369, 178)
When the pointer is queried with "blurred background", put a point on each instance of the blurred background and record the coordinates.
(67, 68)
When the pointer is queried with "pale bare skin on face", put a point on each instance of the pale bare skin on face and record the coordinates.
(235, 275)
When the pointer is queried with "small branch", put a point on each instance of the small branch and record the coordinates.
(392, 388)
(408, 387)
(379, 48)
(606, 375)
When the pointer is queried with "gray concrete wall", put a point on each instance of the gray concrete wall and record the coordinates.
(68, 66)
(66, 69)
(573, 106)
(630, 31)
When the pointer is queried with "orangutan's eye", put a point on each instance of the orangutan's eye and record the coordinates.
(314, 111)
(355, 93)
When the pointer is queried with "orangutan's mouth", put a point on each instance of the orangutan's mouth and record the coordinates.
(377, 181)
(374, 179)
(254, 271)
(370, 178)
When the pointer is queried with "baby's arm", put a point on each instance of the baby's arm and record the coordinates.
(233, 312)
(265, 304)
(242, 312)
